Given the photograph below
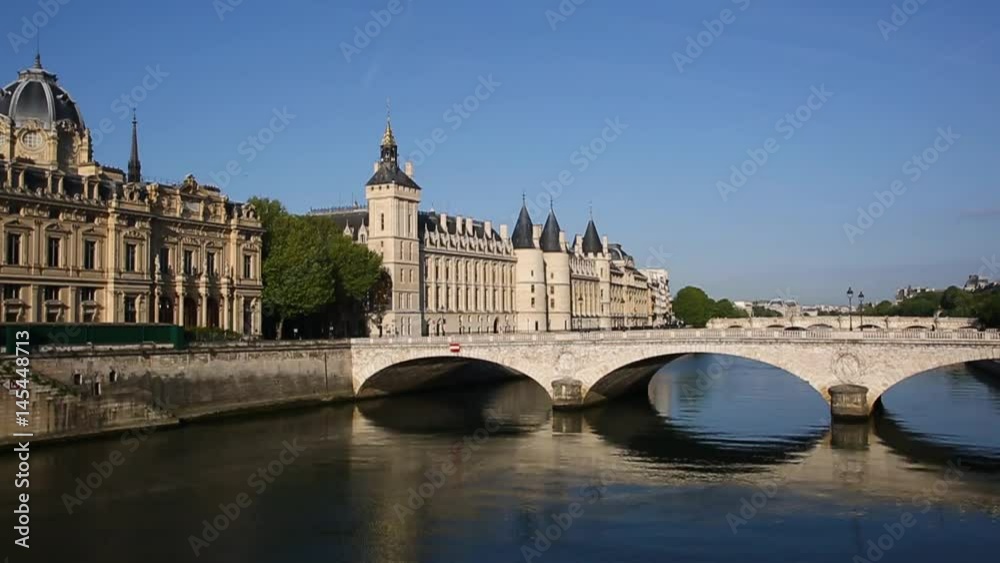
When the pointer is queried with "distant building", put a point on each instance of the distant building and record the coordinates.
(910, 291)
(659, 287)
(977, 283)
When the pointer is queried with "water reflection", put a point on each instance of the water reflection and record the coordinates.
(372, 483)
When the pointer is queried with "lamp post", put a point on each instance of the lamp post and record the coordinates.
(861, 309)
(850, 307)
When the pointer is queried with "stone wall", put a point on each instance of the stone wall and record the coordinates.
(157, 386)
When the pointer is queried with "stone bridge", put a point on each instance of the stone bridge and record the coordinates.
(845, 323)
(583, 368)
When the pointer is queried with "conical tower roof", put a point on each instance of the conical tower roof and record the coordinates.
(550, 234)
(591, 240)
(523, 237)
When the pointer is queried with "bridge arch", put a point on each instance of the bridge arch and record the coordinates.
(632, 375)
(820, 326)
(925, 364)
(436, 371)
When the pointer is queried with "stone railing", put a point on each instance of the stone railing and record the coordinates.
(693, 334)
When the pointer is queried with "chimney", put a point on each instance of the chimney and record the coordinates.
(469, 229)
(444, 222)
(604, 242)
(459, 225)
(504, 233)
(488, 229)
(536, 233)
(409, 168)
(578, 244)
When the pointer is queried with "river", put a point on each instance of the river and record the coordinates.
(724, 460)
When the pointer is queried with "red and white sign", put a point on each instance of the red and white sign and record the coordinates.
(454, 347)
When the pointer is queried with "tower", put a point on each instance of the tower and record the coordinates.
(530, 293)
(557, 276)
(596, 249)
(393, 200)
(134, 167)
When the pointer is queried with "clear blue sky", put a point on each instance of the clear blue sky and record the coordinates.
(654, 188)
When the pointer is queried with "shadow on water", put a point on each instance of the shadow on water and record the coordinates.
(925, 449)
(516, 406)
(633, 425)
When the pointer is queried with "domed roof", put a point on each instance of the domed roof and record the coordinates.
(37, 95)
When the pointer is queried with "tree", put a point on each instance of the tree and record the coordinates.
(298, 274)
(693, 307)
(379, 298)
(988, 309)
(956, 302)
(764, 312)
(724, 309)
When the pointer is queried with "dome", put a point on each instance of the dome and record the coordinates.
(36, 95)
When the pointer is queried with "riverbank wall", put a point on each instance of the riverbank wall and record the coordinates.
(78, 393)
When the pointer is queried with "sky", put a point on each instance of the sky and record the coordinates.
(757, 149)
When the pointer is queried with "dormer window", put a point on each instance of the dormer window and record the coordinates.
(32, 140)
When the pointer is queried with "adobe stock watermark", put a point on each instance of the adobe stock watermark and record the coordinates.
(900, 16)
(548, 533)
(437, 477)
(365, 34)
(896, 530)
(658, 258)
(697, 44)
(223, 7)
(787, 126)
(131, 439)
(33, 24)
(456, 116)
(229, 512)
(253, 146)
(914, 169)
(581, 159)
(562, 13)
(123, 105)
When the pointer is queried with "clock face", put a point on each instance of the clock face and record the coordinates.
(32, 140)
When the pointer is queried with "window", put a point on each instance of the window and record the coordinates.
(210, 263)
(88, 294)
(13, 249)
(53, 252)
(552, 303)
(188, 262)
(381, 221)
(51, 293)
(247, 266)
(89, 254)
(129, 257)
(32, 140)
(130, 312)
(532, 289)
(164, 260)
(532, 302)
(11, 291)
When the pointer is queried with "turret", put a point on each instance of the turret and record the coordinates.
(557, 275)
(530, 292)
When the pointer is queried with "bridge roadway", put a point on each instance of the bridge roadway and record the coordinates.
(584, 368)
(845, 323)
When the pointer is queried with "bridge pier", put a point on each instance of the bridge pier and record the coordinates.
(567, 393)
(849, 402)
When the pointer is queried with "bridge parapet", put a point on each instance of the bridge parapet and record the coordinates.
(846, 322)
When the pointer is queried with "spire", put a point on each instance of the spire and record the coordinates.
(523, 237)
(388, 139)
(550, 234)
(38, 50)
(134, 167)
(591, 239)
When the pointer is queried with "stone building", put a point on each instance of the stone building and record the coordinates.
(454, 274)
(659, 287)
(84, 242)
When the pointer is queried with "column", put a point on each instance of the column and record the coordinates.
(74, 304)
(202, 308)
(179, 308)
(224, 321)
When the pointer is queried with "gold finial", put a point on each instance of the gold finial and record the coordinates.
(388, 139)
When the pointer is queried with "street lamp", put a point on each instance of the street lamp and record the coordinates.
(850, 307)
(861, 309)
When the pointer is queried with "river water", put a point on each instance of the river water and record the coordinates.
(724, 460)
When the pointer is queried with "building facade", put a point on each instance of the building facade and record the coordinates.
(84, 242)
(659, 288)
(459, 275)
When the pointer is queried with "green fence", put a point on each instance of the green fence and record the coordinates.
(103, 334)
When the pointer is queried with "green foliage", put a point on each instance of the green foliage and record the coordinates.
(762, 311)
(311, 270)
(724, 309)
(693, 307)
